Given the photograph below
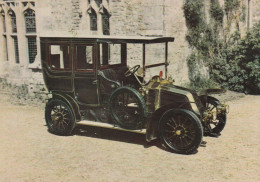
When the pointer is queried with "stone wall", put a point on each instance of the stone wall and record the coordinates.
(154, 18)
(128, 17)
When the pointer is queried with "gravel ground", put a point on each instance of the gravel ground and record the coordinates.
(29, 153)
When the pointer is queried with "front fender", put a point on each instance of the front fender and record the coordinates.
(212, 91)
(153, 120)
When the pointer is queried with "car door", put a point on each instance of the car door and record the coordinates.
(57, 68)
(85, 76)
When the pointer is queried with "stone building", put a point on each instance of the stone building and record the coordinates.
(22, 22)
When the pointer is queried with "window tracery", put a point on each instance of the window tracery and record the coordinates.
(3, 19)
(30, 25)
(105, 22)
(93, 20)
(32, 48)
(13, 21)
(30, 22)
(98, 2)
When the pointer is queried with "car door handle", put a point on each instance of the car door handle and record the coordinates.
(94, 82)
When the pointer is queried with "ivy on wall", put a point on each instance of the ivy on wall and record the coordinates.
(232, 61)
(203, 37)
(235, 12)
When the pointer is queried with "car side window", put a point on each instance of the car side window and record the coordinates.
(84, 57)
(59, 57)
(115, 54)
(110, 54)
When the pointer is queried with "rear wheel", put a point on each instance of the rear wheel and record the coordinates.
(59, 117)
(180, 131)
(218, 124)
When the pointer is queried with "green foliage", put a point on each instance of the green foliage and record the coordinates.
(232, 61)
(239, 65)
(198, 82)
(231, 5)
(192, 65)
(243, 14)
(203, 37)
(202, 84)
(216, 12)
(193, 13)
(234, 14)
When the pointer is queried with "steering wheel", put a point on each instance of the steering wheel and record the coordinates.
(132, 70)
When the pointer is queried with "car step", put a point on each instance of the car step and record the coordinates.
(107, 125)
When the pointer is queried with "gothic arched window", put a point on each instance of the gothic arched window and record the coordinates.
(13, 21)
(3, 15)
(4, 36)
(105, 22)
(98, 2)
(30, 22)
(32, 48)
(16, 49)
(30, 25)
(93, 20)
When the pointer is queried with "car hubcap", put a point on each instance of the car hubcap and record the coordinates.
(178, 132)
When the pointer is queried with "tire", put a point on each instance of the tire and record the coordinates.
(180, 131)
(59, 117)
(217, 125)
(127, 107)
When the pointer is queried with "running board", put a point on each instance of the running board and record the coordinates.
(110, 126)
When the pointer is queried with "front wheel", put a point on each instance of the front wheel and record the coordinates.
(180, 131)
(59, 117)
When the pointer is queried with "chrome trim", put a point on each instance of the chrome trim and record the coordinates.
(195, 108)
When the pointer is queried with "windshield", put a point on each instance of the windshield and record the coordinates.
(152, 57)
(154, 54)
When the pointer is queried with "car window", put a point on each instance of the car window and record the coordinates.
(110, 54)
(115, 54)
(84, 54)
(59, 57)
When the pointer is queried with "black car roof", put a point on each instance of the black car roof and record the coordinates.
(114, 39)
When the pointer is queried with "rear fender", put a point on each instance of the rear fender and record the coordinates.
(71, 102)
(204, 99)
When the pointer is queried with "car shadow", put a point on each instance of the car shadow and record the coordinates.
(162, 147)
(112, 134)
(120, 136)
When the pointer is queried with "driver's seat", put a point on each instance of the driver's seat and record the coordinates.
(110, 76)
(108, 80)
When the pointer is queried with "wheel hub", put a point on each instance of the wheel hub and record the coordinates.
(178, 132)
(58, 117)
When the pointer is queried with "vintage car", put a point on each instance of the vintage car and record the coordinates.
(89, 82)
